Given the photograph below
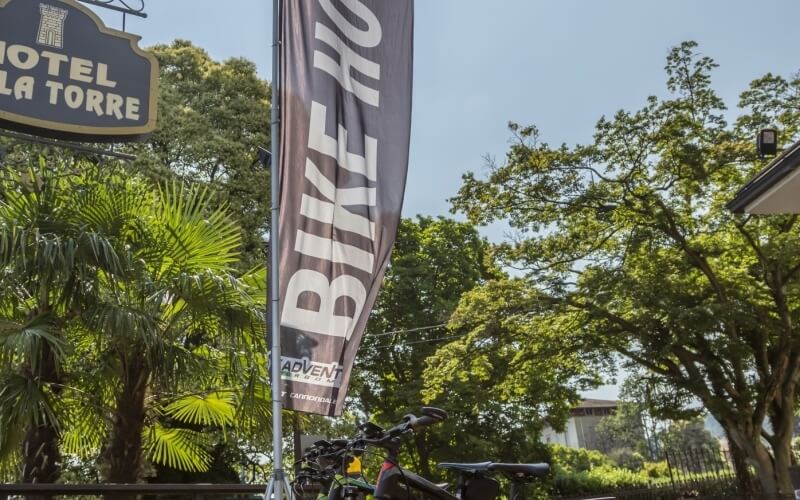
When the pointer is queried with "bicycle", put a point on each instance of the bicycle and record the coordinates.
(475, 481)
(334, 467)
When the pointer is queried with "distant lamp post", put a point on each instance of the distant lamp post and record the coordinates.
(767, 143)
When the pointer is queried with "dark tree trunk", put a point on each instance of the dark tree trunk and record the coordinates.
(771, 466)
(782, 418)
(41, 456)
(743, 476)
(124, 453)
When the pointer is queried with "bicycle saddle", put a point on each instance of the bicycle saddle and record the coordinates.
(536, 470)
(477, 467)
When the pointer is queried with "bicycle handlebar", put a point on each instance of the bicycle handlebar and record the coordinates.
(423, 421)
(371, 435)
(375, 436)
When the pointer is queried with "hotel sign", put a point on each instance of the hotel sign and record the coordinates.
(64, 74)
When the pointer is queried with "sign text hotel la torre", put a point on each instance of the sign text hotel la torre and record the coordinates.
(64, 74)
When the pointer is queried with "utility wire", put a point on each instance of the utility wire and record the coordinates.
(439, 339)
(410, 330)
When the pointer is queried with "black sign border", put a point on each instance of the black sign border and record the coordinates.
(79, 132)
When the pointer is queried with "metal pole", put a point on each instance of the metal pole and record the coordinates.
(277, 404)
(74, 146)
(105, 5)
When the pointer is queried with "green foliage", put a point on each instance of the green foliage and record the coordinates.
(102, 271)
(577, 471)
(656, 470)
(628, 240)
(591, 472)
(216, 409)
(57, 243)
(624, 430)
(120, 306)
(483, 346)
(181, 449)
(627, 459)
(511, 354)
(689, 435)
(599, 480)
(435, 260)
(212, 118)
(577, 460)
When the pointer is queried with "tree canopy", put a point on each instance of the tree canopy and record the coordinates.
(212, 118)
(628, 239)
(449, 329)
(120, 306)
(103, 351)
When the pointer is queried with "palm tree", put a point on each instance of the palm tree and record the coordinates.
(51, 257)
(180, 320)
(124, 328)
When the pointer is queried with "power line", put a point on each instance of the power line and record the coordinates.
(439, 339)
(410, 330)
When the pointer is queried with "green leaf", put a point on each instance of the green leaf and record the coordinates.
(215, 409)
(181, 449)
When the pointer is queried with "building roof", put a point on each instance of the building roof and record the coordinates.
(597, 403)
(775, 190)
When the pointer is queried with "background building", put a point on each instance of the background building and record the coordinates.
(580, 431)
(776, 190)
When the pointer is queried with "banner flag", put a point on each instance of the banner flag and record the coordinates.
(346, 120)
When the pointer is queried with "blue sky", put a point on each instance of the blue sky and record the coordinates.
(558, 64)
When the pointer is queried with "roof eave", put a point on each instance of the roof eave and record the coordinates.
(773, 173)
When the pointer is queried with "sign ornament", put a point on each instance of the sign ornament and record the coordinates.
(51, 26)
(65, 75)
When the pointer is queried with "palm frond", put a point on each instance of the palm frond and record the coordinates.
(181, 449)
(24, 402)
(85, 430)
(214, 409)
(123, 320)
(254, 413)
(193, 237)
(23, 341)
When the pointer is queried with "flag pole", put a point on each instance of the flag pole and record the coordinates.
(278, 479)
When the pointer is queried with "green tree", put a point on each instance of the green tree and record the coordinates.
(436, 338)
(52, 256)
(212, 118)
(628, 239)
(180, 320)
(625, 429)
(435, 260)
(507, 375)
(656, 402)
(146, 319)
(690, 435)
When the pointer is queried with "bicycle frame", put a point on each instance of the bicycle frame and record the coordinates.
(395, 483)
(360, 489)
(475, 480)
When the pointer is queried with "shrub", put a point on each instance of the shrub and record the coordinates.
(656, 470)
(597, 480)
(591, 472)
(627, 458)
(577, 460)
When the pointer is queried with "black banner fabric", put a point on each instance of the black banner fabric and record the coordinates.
(346, 119)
